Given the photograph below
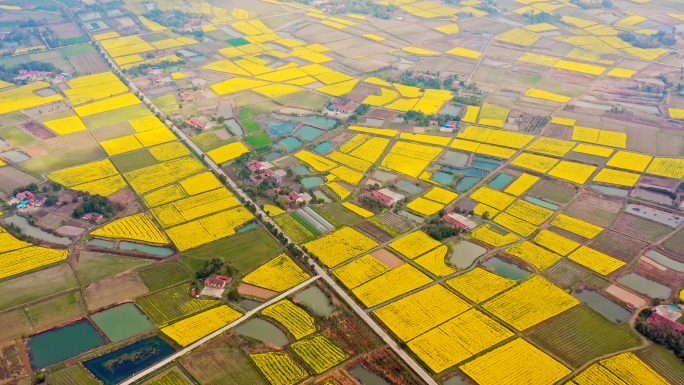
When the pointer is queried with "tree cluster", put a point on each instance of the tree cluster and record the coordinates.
(168, 18)
(96, 204)
(8, 73)
(214, 266)
(439, 229)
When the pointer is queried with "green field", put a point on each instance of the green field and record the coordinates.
(258, 139)
(222, 364)
(73, 40)
(57, 309)
(93, 266)
(171, 377)
(242, 250)
(161, 276)
(205, 140)
(246, 113)
(80, 50)
(44, 164)
(333, 221)
(250, 126)
(133, 161)
(304, 99)
(24, 289)
(306, 224)
(664, 362)
(343, 214)
(155, 37)
(73, 375)
(11, 118)
(171, 304)
(237, 42)
(552, 191)
(125, 114)
(582, 335)
(16, 137)
(14, 324)
(565, 273)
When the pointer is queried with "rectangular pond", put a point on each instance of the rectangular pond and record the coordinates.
(291, 143)
(465, 253)
(443, 178)
(120, 364)
(319, 121)
(455, 159)
(263, 330)
(15, 156)
(121, 322)
(59, 344)
(234, 127)
(308, 133)
(505, 268)
(645, 286)
(603, 305)
(665, 261)
(323, 147)
(542, 203)
(618, 192)
(35, 232)
(312, 181)
(409, 187)
(653, 196)
(156, 250)
(466, 183)
(485, 165)
(301, 170)
(278, 128)
(500, 181)
(316, 300)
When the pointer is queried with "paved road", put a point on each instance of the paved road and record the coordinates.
(321, 273)
(217, 333)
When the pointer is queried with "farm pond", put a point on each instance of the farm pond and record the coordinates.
(120, 364)
(263, 330)
(603, 305)
(316, 300)
(35, 232)
(59, 344)
(645, 286)
(465, 253)
(504, 268)
(121, 322)
(366, 377)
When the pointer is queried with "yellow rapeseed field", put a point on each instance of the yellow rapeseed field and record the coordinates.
(138, 227)
(152, 177)
(479, 285)
(621, 178)
(104, 187)
(121, 145)
(530, 303)
(191, 329)
(676, 113)
(169, 151)
(576, 226)
(66, 125)
(593, 150)
(514, 224)
(471, 114)
(23, 97)
(28, 258)
(392, 284)
(517, 362)
(371, 150)
(522, 184)
(279, 368)
(534, 162)
(667, 167)
(496, 137)
(317, 162)
(227, 152)
(339, 88)
(386, 97)
(417, 313)
(538, 256)
(360, 271)
(482, 208)
(434, 262)
(153, 26)
(574, 172)
(339, 190)
(535, 58)
(441, 195)
(273, 211)
(424, 206)
(519, 37)
(110, 104)
(279, 274)
(529, 212)
(295, 319)
(550, 146)
(485, 234)
(358, 210)
(376, 131)
(414, 244)
(622, 72)
(319, 353)
(539, 94)
(491, 197)
(493, 115)
(580, 67)
(595, 260)
(465, 145)
(404, 164)
(84, 173)
(340, 246)
(464, 52)
(428, 139)
(458, 339)
(347, 175)
(563, 121)
(555, 242)
(354, 142)
(630, 161)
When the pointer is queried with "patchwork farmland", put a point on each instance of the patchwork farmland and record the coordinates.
(396, 192)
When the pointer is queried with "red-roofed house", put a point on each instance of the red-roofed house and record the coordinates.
(294, 197)
(197, 123)
(459, 221)
(92, 216)
(385, 196)
(219, 281)
(659, 320)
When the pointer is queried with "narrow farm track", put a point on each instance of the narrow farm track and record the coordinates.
(321, 273)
